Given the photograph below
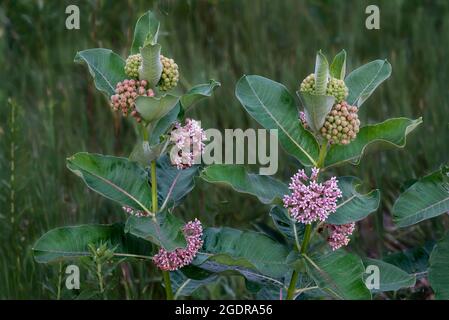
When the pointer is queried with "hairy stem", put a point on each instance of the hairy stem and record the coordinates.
(100, 278)
(308, 230)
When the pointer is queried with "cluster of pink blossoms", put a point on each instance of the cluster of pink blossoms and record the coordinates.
(126, 93)
(188, 142)
(311, 201)
(174, 260)
(134, 212)
(302, 118)
(339, 234)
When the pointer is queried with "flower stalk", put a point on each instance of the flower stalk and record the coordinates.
(165, 274)
(307, 231)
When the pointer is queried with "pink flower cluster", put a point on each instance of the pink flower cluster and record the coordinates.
(339, 234)
(311, 201)
(137, 213)
(302, 118)
(174, 260)
(188, 144)
(126, 93)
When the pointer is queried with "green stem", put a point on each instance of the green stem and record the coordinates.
(100, 279)
(58, 297)
(292, 286)
(305, 241)
(154, 186)
(322, 155)
(307, 231)
(168, 289)
(165, 274)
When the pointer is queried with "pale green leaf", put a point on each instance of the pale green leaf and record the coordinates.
(145, 32)
(439, 269)
(425, 199)
(198, 93)
(393, 131)
(265, 188)
(364, 80)
(391, 277)
(151, 67)
(338, 66)
(339, 274)
(115, 178)
(165, 230)
(152, 109)
(106, 68)
(270, 104)
(321, 74)
(68, 243)
(353, 206)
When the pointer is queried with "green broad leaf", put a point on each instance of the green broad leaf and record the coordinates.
(316, 108)
(153, 109)
(265, 188)
(68, 243)
(339, 274)
(161, 127)
(145, 32)
(190, 278)
(391, 277)
(289, 227)
(425, 199)
(338, 66)
(115, 178)
(143, 153)
(364, 80)
(105, 67)
(198, 93)
(270, 104)
(393, 131)
(413, 260)
(174, 183)
(353, 206)
(321, 74)
(252, 254)
(151, 67)
(438, 269)
(164, 230)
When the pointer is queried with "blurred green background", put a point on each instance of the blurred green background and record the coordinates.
(49, 109)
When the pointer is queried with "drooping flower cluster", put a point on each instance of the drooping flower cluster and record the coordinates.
(188, 144)
(134, 212)
(339, 234)
(335, 87)
(126, 93)
(342, 124)
(311, 201)
(170, 74)
(132, 65)
(174, 260)
(302, 118)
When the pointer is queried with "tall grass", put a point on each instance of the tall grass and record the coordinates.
(55, 110)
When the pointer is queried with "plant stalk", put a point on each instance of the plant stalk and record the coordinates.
(165, 274)
(308, 230)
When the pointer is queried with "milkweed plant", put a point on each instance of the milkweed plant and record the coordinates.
(314, 214)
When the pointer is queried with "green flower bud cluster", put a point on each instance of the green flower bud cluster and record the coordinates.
(132, 65)
(338, 89)
(170, 74)
(342, 124)
(335, 87)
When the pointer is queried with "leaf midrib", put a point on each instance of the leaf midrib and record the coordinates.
(277, 123)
